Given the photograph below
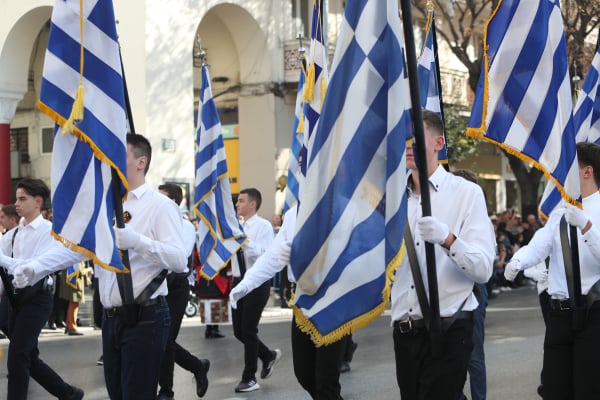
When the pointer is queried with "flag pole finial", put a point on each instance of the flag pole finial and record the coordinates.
(201, 52)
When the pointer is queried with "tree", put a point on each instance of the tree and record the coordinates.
(460, 24)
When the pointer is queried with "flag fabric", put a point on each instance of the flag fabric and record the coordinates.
(586, 121)
(429, 87)
(317, 79)
(219, 232)
(523, 102)
(294, 172)
(350, 223)
(85, 152)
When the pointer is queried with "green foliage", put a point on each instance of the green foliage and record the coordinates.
(460, 146)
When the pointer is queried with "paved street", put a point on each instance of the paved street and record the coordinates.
(514, 330)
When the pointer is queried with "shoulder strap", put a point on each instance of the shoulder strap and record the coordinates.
(571, 261)
(241, 262)
(416, 273)
(152, 286)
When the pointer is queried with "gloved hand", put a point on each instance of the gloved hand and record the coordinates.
(512, 269)
(126, 238)
(237, 293)
(576, 217)
(285, 253)
(432, 230)
(538, 275)
(23, 276)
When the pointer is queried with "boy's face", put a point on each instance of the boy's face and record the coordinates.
(27, 205)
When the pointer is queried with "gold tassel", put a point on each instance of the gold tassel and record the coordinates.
(300, 128)
(323, 90)
(309, 87)
(76, 112)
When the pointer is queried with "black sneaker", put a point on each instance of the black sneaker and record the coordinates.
(267, 369)
(351, 351)
(247, 386)
(100, 360)
(201, 377)
(344, 367)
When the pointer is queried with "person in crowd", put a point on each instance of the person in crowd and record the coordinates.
(9, 219)
(249, 309)
(75, 296)
(463, 239)
(571, 348)
(177, 299)
(30, 303)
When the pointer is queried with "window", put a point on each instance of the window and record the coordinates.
(19, 140)
(47, 140)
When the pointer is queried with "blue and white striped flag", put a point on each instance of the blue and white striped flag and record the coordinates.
(351, 219)
(219, 232)
(586, 119)
(523, 102)
(85, 152)
(294, 173)
(429, 87)
(317, 79)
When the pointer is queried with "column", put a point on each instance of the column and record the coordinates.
(8, 106)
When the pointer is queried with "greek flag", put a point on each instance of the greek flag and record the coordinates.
(85, 152)
(317, 79)
(523, 102)
(351, 219)
(219, 232)
(294, 173)
(429, 87)
(586, 119)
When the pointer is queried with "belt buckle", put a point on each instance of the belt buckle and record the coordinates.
(564, 305)
(405, 326)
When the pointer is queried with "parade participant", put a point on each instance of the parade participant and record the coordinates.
(177, 299)
(31, 304)
(9, 219)
(571, 348)
(249, 309)
(133, 343)
(463, 239)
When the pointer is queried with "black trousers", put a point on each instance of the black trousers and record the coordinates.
(25, 325)
(245, 328)
(422, 377)
(177, 299)
(571, 357)
(317, 368)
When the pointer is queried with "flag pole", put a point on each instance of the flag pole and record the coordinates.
(446, 165)
(435, 324)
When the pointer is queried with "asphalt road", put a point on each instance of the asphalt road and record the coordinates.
(514, 337)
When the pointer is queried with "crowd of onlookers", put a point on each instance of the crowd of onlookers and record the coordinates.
(512, 232)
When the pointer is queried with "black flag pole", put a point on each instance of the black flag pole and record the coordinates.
(446, 165)
(435, 324)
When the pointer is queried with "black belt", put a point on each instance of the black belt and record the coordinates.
(114, 311)
(176, 275)
(560, 304)
(410, 325)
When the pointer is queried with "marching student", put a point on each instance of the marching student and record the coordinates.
(463, 239)
(133, 343)
(179, 291)
(30, 304)
(571, 346)
(249, 309)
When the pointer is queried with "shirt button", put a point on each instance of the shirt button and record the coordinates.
(410, 310)
(463, 267)
(412, 286)
(417, 243)
(453, 254)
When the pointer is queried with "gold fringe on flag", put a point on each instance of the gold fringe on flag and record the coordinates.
(78, 106)
(309, 87)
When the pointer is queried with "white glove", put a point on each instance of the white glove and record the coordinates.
(576, 217)
(432, 230)
(538, 275)
(512, 269)
(237, 293)
(285, 253)
(126, 238)
(23, 276)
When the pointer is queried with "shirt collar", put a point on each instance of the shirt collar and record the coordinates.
(435, 180)
(591, 198)
(33, 224)
(249, 221)
(140, 190)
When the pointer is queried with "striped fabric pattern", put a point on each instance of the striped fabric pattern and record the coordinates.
(294, 173)
(219, 232)
(350, 223)
(586, 119)
(523, 102)
(82, 196)
(429, 87)
(316, 81)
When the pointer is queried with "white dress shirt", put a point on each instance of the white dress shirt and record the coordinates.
(546, 242)
(260, 233)
(268, 264)
(459, 204)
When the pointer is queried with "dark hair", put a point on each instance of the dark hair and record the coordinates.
(588, 153)
(141, 147)
(173, 190)
(35, 188)
(434, 122)
(10, 211)
(253, 195)
(466, 174)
